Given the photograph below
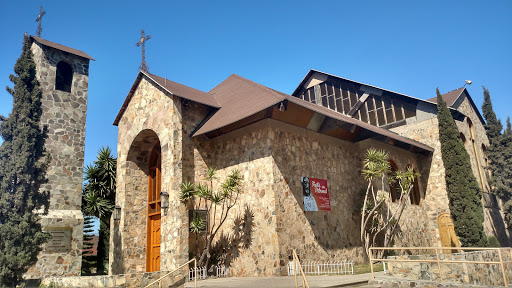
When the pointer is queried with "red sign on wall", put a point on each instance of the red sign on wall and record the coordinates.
(316, 194)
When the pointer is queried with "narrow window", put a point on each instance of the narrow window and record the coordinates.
(415, 195)
(393, 187)
(64, 77)
(463, 138)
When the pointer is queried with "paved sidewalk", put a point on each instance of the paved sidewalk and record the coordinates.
(284, 281)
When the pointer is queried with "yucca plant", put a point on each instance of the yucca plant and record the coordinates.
(216, 203)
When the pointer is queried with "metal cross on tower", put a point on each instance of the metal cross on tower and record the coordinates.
(40, 19)
(142, 42)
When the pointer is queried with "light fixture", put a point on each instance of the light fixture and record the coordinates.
(164, 198)
(117, 212)
(468, 82)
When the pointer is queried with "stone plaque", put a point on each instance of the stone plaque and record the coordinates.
(61, 239)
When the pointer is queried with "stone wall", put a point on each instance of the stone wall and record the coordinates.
(153, 116)
(475, 274)
(493, 220)
(64, 113)
(132, 280)
(271, 156)
(436, 200)
(251, 250)
(334, 235)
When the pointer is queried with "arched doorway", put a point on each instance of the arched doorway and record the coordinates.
(447, 232)
(154, 210)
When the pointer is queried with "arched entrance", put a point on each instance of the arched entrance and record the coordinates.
(154, 210)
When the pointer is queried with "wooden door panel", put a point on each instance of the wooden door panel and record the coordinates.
(154, 216)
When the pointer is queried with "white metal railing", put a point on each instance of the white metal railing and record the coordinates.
(221, 271)
(197, 273)
(323, 268)
(202, 272)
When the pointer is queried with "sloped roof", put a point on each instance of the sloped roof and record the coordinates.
(449, 97)
(173, 88)
(238, 98)
(61, 47)
(241, 98)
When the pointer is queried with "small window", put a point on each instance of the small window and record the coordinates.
(64, 77)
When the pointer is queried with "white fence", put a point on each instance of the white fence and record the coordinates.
(202, 273)
(322, 268)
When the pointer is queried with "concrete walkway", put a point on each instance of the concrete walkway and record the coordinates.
(285, 281)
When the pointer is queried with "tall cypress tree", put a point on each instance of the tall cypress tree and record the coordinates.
(463, 192)
(22, 171)
(499, 154)
(503, 182)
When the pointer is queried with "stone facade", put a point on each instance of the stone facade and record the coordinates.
(152, 117)
(436, 200)
(271, 156)
(64, 114)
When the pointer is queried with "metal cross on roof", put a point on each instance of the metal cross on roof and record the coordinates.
(40, 19)
(142, 42)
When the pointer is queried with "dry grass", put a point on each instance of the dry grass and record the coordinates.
(365, 268)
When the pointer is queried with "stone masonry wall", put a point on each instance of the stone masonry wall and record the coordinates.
(251, 250)
(152, 116)
(435, 202)
(272, 156)
(468, 273)
(64, 113)
(334, 235)
(493, 220)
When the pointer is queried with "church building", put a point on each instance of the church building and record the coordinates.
(170, 133)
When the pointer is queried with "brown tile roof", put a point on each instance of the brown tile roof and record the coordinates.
(449, 97)
(183, 91)
(238, 98)
(61, 47)
(171, 87)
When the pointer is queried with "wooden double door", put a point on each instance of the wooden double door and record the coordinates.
(154, 211)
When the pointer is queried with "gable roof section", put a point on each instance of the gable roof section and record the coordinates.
(313, 71)
(451, 97)
(171, 87)
(238, 98)
(241, 98)
(60, 47)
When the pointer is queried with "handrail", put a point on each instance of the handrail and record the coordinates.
(438, 261)
(181, 266)
(295, 261)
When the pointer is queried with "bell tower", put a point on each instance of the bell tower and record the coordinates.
(64, 75)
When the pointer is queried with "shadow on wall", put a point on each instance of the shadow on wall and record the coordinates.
(498, 225)
(239, 237)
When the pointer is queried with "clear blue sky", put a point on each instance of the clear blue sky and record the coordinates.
(410, 47)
